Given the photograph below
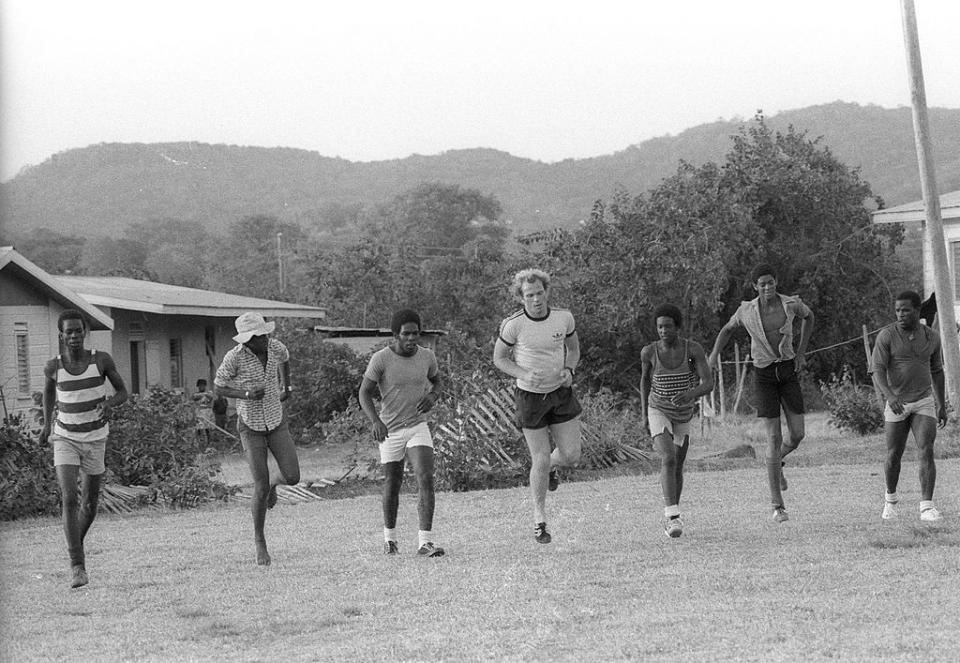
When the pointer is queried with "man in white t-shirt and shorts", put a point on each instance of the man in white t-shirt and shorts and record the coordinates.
(407, 377)
(538, 345)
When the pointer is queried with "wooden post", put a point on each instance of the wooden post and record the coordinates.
(741, 381)
(866, 350)
(723, 400)
(933, 235)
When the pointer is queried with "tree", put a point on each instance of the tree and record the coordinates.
(440, 217)
(108, 256)
(53, 251)
(245, 260)
(177, 250)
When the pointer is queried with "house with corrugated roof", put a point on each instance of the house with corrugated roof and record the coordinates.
(158, 334)
(916, 212)
(31, 300)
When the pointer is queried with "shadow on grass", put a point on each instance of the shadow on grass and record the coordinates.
(914, 536)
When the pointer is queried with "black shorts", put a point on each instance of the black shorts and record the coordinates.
(778, 383)
(540, 410)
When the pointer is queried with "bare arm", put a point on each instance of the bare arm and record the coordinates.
(503, 360)
(572, 343)
(365, 396)
(284, 370)
(705, 374)
(431, 397)
(109, 369)
(722, 339)
(939, 394)
(806, 329)
(646, 371)
(49, 398)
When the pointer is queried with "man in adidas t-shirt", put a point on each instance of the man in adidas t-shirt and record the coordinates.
(538, 346)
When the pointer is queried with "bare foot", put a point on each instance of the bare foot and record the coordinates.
(263, 557)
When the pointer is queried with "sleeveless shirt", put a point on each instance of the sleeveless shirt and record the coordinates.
(78, 401)
(666, 383)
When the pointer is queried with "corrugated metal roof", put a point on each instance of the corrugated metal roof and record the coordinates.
(51, 287)
(916, 211)
(163, 298)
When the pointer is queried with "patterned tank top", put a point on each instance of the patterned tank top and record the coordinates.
(78, 401)
(668, 382)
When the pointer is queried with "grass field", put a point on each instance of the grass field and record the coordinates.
(834, 583)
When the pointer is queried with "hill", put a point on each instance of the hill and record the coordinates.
(105, 187)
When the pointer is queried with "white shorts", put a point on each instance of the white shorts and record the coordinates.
(925, 406)
(660, 423)
(394, 446)
(87, 455)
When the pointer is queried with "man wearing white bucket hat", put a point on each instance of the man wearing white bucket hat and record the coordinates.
(256, 372)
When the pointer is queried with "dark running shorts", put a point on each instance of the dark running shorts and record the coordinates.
(540, 410)
(778, 383)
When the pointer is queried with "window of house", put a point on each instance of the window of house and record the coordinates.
(22, 337)
(176, 363)
(955, 266)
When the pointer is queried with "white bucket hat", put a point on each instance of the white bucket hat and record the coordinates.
(251, 324)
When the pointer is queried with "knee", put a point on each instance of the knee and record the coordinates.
(292, 478)
(568, 456)
(425, 482)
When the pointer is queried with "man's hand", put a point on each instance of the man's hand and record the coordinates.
(44, 434)
(941, 416)
(800, 362)
(683, 398)
(379, 431)
(896, 405)
(426, 403)
(255, 394)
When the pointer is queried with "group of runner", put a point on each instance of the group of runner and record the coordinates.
(538, 346)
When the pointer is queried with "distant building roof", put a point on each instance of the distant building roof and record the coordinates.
(342, 332)
(22, 268)
(149, 297)
(916, 211)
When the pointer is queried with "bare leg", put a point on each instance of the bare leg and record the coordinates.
(89, 502)
(774, 443)
(566, 436)
(393, 479)
(895, 433)
(797, 430)
(538, 442)
(69, 499)
(681, 458)
(257, 460)
(668, 468)
(925, 432)
(421, 459)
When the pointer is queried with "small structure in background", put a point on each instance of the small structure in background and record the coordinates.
(364, 340)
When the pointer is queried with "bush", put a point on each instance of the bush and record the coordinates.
(852, 406)
(153, 443)
(28, 480)
(326, 377)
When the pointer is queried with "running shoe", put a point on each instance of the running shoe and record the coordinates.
(674, 527)
(930, 514)
(390, 548)
(780, 515)
(890, 510)
(554, 482)
(430, 550)
(78, 576)
(541, 534)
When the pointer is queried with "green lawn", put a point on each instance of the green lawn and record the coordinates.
(834, 583)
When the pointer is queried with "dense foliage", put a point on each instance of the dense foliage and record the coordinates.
(853, 406)
(28, 481)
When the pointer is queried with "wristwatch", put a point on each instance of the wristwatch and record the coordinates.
(289, 388)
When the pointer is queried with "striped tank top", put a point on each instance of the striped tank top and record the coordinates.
(78, 401)
(666, 383)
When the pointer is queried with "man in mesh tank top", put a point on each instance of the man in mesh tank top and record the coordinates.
(675, 374)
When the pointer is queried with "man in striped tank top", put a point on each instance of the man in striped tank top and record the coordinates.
(675, 374)
(75, 385)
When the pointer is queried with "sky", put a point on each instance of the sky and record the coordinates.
(375, 80)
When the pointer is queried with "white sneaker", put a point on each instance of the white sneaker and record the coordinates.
(674, 528)
(930, 514)
(780, 515)
(890, 510)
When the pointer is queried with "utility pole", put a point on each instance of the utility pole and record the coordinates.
(280, 259)
(933, 235)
